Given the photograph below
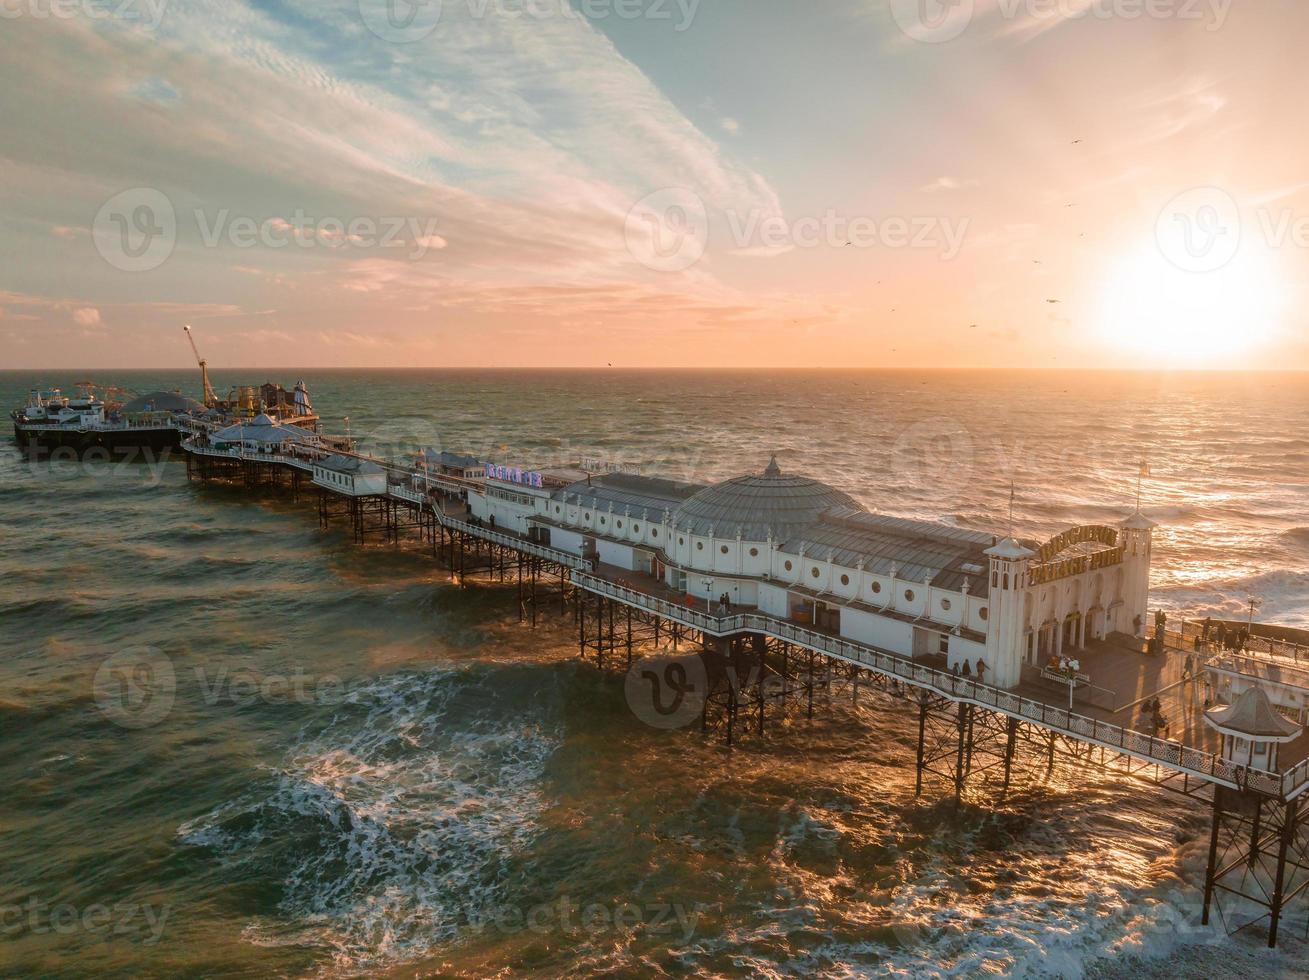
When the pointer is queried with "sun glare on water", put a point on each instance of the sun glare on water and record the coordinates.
(1153, 308)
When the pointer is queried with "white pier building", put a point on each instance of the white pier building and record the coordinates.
(798, 549)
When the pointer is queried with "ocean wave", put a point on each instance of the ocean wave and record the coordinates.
(393, 826)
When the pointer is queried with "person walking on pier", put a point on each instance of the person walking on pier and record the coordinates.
(1188, 667)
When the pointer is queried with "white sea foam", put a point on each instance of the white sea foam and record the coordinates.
(397, 827)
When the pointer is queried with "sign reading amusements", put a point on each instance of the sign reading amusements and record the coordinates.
(1050, 567)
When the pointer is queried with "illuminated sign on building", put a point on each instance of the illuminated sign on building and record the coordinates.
(510, 474)
(1097, 533)
(1077, 565)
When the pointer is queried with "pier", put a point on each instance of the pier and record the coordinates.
(602, 547)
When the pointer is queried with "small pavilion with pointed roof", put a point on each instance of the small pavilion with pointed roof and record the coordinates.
(1252, 729)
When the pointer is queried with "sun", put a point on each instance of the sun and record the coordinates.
(1153, 308)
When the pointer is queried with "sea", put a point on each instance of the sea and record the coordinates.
(360, 769)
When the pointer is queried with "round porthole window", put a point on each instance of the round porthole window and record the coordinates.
(814, 572)
(604, 521)
(909, 595)
(636, 528)
(723, 549)
(754, 552)
(618, 524)
(557, 509)
(845, 579)
(699, 546)
(588, 515)
(788, 566)
(654, 532)
(982, 614)
(945, 604)
(877, 587)
(681, 540)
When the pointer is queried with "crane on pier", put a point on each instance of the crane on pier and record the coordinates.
(210, 399)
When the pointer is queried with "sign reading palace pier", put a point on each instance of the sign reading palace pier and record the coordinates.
(1093, 533)
(1050, 567)
(510, 474)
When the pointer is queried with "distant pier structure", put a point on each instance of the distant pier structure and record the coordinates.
(1011, 654)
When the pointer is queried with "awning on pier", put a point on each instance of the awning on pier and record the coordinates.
(1252, 715)
(264, 430)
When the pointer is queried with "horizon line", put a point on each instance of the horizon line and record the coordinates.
(691, 369)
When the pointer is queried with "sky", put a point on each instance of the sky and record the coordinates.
(654, 183)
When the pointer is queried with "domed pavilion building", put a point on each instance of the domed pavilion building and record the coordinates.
(802, 551)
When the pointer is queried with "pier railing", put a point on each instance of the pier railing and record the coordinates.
(567, 559)
(1165, 752)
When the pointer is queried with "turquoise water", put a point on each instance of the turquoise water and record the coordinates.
(364, 770)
